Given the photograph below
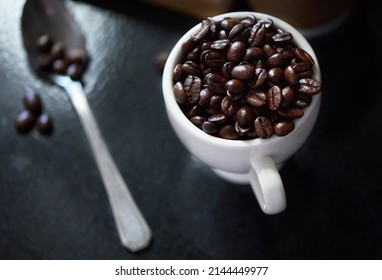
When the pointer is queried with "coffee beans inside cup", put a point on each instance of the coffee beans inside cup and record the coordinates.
(244, 79)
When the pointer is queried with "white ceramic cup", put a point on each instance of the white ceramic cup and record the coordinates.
(253, 162)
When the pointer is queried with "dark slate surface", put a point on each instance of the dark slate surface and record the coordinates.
(52, 201)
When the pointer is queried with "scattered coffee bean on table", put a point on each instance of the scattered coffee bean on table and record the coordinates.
(33, 115)
(244, 78)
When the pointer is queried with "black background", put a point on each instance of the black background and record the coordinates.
(52, 200)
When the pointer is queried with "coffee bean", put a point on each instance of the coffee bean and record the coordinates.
(228, 23)
(218, 118)
(228, 107)
(212, 59)
(267, 22)
(274, 98)
(195, 110)
(253, 53)
(179, 74)
(243, 72)
(202, 32)
(303, 56)
(192, 87)
(44, 124)
(303, 70)
(276, 60)
(263, 127)
(242, 131)
(221, 45)
(290, 76)
(248, 21)
(210, 127)
(235, 86)
(269, 50)
(239, 33)
(187, 46)
(257, 34)
(259, 79)
(191, 67)
(256, 98)
(276, 75)
(236, 51)
(216, 100)
(205, 97)
(25, 121)
(283, 128)
(197, 120)
(180, 93)
(282, 37)
(227, 69)
(228, 132)
(32, 102)
(303, 100)
(288, 96)
(245, 116)
(216, 83)
(309, 86)
(291, 113)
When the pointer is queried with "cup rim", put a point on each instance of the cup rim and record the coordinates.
(173, 107)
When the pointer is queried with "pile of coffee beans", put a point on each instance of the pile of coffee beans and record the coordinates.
(54, 58)
(243, 79)
(33, 115)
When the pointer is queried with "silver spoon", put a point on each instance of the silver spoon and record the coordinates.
(52, 17)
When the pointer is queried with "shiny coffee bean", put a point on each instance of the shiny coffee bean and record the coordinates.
(216, 83)
(303, 100)
(210, 127)
(257, 34)
(274, 98)
(179, 74)
(191, 68)
(261, 76)
(276, 75)
(253, 53)
(25, 121)
(197, 120)
(32, 102)
(212, 59)
(228, 132)
(277, 60)
(290, 76)
(282, 37)
(309, 86)
(239, 33)
(205, 97)
(192, 87)
(303, 70)
(236, 51)
(235, 86)
(303, 56)
(228, 107)
(243, 72)
(269, 50)
(263, 127)
(180, 93)
(245, 116)
(291, 113)
(221, 45)
(283, 128)
(216, 100)
(194, 111)
(256, 98)
(288, 96)
(228, 23)
(202, 33)
(242, 131)
(194, 55)
(218, 118)
(44, 124)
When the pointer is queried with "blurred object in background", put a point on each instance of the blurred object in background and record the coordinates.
(198, 8)
(312, 17)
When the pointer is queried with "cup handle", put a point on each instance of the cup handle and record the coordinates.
(267, 185)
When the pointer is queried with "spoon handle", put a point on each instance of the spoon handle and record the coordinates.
(133, 230)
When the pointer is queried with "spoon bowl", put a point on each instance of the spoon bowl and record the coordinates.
(51, 17)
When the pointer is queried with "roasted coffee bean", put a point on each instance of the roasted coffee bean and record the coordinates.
(218, 118)
(236, 51)
(191, 67)
(194, 111)
(239, 33)
(263, 127)
(256, 98)
(205, 97)
(269, 50)
(276, 75)
(206, 46)
(223, 34)
(75, 71)
(221, 45)
(309, 86)
(228, 107)
(192, 86)
(274, 98)
(283, 128)
(242, 131)
(303, 56)
(180, 93)
(25, 121)
(282, 37)
(216, 100)
(290, 76)
(257, 34)
(212, 59)
(291, 113)
(202, 32)
(44, 43)
(245, 116)
(261, 76)
(267, 22)
(179, 74)
(276, 60)
(236, 97)
(44, 124)
(303, 100)
(235, 86)
(32, 102)
(212, 111)
(216, 83)
(288, 97)
(228, 132)
(303, 70)
(194, 55)
(210, 127)
(187, 46)
(197, 120)
(248, 21)
(243, 72)
(227, 69)
(228, 23)
(253, 53)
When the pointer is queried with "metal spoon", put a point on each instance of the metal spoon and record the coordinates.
(52, 17)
